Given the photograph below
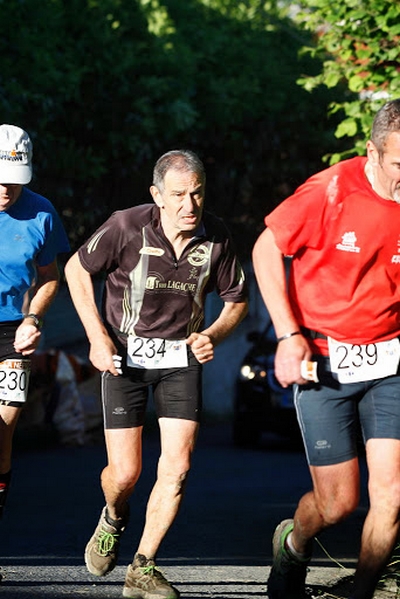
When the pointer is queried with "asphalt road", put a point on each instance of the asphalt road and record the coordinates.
(219, 546)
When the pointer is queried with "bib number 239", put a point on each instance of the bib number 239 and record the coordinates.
(153, 352)
(354, 363)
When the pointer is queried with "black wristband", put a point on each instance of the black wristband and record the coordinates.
(288, 335)
(38, 322)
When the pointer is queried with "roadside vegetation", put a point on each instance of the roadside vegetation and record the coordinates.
(262, 93)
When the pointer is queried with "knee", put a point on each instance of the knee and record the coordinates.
(122, 478)
(335, 509)
(386, 498)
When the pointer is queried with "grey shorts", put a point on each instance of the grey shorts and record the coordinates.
(177, 393)
(332, 415)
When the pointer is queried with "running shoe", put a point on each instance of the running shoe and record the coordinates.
(144, 581)
(288, 575)
(101, 552)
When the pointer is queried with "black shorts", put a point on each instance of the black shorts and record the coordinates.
(177, 393)
(19, 380)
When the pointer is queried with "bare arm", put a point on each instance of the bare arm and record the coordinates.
(203, 343)
(82, 293)
(27, 335)
(271, 278)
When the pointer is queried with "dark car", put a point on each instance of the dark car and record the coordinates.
(261, 404)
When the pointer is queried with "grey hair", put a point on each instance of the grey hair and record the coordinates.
(178, 160)
(386, 121)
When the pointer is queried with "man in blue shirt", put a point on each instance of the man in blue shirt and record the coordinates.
(32, 236)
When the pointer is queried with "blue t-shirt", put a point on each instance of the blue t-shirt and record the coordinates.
(31, 233)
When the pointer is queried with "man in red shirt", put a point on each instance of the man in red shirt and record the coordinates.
(338, 326)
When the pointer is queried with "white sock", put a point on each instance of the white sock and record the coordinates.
(300, 556)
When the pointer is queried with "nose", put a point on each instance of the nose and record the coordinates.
(188, 203)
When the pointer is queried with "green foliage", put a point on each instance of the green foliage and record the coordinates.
(105, 86)
(358, 42)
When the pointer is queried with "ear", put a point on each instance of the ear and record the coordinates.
(372, 153)
(156, 195)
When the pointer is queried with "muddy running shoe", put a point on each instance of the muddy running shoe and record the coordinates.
(288, 575)
(101, 552)
(144, 581)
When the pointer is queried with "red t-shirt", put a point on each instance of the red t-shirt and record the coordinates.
(345, 244)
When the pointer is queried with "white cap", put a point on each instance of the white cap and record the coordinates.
(15, 155)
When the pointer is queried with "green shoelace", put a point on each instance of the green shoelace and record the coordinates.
(152, 570)
(106, 542)
(147, 569)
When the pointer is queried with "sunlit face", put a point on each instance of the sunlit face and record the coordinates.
(386, 167)
(180, 202)
(9, 194)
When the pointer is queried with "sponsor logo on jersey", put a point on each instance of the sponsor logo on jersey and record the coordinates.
(150, 251)
(396, 257)
(348, 244)
(155, 282)
(199, 255)
(193, 274)
(180, 286)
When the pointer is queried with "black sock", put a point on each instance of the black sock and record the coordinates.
(120, 523)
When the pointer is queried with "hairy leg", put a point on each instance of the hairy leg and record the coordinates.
(8, 421)
(118, 479)
(178, 439)
(334, 496)
(381, 525)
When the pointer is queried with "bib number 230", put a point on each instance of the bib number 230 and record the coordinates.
(354, 363)
(14, 380)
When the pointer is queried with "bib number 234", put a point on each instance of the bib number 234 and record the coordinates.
(153, 352)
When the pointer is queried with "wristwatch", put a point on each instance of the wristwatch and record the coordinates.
(37, 321)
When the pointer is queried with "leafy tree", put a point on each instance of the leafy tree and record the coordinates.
(358, 42)
(105, 86)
